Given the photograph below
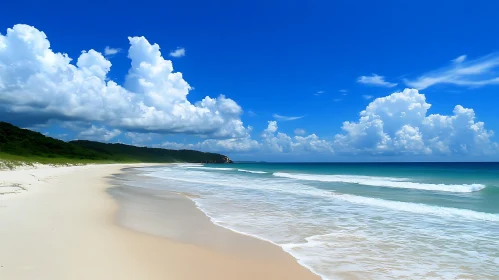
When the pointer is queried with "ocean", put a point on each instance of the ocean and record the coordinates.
(357, 220)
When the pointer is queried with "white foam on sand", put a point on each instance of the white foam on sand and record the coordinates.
(325, 230)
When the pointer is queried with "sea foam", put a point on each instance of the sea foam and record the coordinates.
(305, 190)
(389, 182)
(252, 171)
(209, 168)
(331, 232)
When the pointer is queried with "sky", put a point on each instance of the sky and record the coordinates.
(259, 80)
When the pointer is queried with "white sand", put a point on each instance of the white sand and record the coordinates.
(59, 224)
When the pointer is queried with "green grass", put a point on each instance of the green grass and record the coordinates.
(8, 161)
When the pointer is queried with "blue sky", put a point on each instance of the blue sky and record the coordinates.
(323, 61)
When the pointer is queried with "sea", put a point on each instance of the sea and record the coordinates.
(357, 220)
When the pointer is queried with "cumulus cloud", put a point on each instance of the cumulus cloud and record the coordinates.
(179, 52)
(399, 124)
(375, 80)
(239, 145)
(286, 118)
(38, 82)
(99, 133)
(274, 141)
(229, 145)
(174, 145)
(462, 72)
(42, 85)
(141, 139)
(271, 142)
(111, 51)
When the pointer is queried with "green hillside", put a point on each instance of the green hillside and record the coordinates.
(18, 144)
(122, 152)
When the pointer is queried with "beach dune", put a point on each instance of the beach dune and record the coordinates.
(62, 223)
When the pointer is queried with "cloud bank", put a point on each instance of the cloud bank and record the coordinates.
(400, 124)
(271, 141)
(35, 81)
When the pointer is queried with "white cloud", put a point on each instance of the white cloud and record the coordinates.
(459, 59)
(285, 118)
(277, 142)
(299, 131)
(179, 52)
(111, 51)
(337, 99)
(399, 124)
(38, 82)
(228, 145)
(319, 92)
(141, 139)
(173, 146)
(239, 145)
(271, 128)
(271, 142)
(311, 143)
(367, 97)
(98, 133)
(375, 80)
(462, 72)
(343, 90)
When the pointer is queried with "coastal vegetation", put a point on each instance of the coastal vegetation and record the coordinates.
(25, 147)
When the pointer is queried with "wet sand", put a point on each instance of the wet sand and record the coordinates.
(71, 223)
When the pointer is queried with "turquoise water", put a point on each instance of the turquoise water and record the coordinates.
(353, 220)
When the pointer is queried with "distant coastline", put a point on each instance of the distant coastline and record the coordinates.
(20, 147)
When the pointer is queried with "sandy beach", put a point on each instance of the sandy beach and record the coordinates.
(73, 223)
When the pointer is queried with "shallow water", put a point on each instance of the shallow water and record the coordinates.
(371, 221)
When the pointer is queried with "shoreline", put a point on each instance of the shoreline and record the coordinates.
(192, 197)
(63, 227)
(264, 240)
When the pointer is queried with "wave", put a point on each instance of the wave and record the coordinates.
(252, 171)
(313, 251)
(389, 182)
(222, 168)
(188, 164)
(304, 190)
(299, 258)
(208, 168)
(315, 243)
(419, 208)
